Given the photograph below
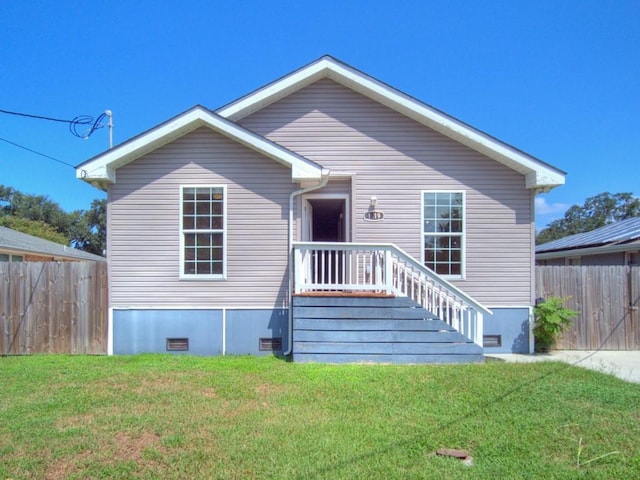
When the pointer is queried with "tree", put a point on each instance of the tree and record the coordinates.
(89, 228)
(596, 212)
(38, 208)
(39, 216)
(33, 227)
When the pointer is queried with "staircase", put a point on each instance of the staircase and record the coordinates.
(369, 329)
(322, 268)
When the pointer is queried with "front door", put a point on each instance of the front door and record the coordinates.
(325, 219)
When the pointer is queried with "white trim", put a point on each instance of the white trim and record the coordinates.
(110, 331)
(102, 169)
(224, 331)
(539, 175)
(463, 234)
(196, 277)
(532, 341)
(329, 196)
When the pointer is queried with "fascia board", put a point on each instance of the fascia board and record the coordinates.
(103, 167)
(274, 91)
(538, 174)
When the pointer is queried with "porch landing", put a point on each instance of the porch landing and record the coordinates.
(348, 327)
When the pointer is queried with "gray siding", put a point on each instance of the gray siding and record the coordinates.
(394, 158)
(144, 223)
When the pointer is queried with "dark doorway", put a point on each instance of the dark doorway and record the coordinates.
(327, 219)
(326, 222)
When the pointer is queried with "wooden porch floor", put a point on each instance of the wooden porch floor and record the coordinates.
(339, 293)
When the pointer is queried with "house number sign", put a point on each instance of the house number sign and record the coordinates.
(374, 215)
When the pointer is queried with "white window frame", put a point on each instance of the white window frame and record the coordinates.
(463, 233)
(195, 276)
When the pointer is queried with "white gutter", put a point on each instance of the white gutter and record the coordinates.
(323, 182)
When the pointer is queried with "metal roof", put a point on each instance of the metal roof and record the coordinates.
(616, 233)
(23, 243)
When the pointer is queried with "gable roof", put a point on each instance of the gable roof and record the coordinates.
(617, 236)
(20, 243)
(539, 175)
(101, 169)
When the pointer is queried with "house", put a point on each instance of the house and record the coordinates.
(325, 214)
(614, 244)
(19, 247)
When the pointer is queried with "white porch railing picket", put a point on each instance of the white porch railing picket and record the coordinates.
(384, 268)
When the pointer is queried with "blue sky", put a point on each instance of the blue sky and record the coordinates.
(557, 79)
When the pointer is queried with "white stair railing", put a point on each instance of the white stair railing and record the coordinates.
(385, 269)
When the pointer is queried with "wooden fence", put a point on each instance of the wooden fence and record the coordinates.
(607, 298)
(53, 307)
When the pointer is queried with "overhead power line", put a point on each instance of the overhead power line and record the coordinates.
(37, 153)
(80, 120)
(41, 117)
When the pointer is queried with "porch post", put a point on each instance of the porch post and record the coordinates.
(479, 328)
(297, 269)
(388, 271)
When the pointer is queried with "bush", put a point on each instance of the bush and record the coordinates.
(551, 319)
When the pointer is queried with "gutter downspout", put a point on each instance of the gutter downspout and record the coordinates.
(323, 182)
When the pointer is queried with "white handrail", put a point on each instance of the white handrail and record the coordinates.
(385, 268)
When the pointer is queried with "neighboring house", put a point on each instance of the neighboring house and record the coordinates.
(327, 214)
(615, 244)
(19, 247)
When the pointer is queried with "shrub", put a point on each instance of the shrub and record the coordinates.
(551, 319)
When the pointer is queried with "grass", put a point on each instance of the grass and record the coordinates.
(153, 416)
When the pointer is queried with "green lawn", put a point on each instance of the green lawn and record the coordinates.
(154, 416)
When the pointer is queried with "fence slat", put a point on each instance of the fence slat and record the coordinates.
(53, 307)
(606, 298)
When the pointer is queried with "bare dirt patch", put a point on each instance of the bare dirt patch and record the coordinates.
(210, 393)
(124, 447)
(74, 421)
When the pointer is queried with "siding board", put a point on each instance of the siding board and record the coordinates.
(394, 158)
(144, 207)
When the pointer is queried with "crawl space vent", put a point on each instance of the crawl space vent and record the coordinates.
(271, 344)
(492, 341)
(177, 344)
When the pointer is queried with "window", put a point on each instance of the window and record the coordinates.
(5, 257)
(443, 229)
(203, 232)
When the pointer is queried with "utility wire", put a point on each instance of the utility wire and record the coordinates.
(37, 153)
(73, 124)
(472, 412)
(51, 119)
